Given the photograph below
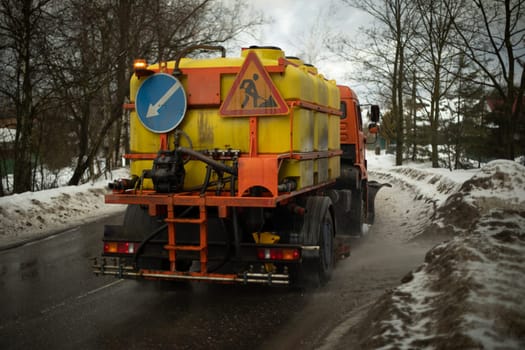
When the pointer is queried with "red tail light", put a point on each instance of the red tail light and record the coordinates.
(278, 254)
(120, 247)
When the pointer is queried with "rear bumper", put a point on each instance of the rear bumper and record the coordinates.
(119, 270)
(248, 269)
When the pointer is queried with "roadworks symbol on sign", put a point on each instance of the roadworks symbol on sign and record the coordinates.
(253, 92)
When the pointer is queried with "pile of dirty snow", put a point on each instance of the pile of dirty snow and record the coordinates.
(430, 187)
(498, 185)
(31, 215)
(469, 293)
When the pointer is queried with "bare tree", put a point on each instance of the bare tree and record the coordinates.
(69, 62)
(492, 35)
(311, 42)
(22, 28)
(437, 61)
(463, 106)
(388, 57)
(80, 66)
(95, 48)
(173, 26)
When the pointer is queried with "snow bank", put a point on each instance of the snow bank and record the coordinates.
(429, 187)
(7, 135)
(32, 214)
(469, 293)
(500, 184)
(429, 184)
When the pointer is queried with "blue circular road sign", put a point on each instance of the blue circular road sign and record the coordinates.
(161, 103)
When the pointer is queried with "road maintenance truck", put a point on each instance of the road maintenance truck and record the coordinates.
(245, 169)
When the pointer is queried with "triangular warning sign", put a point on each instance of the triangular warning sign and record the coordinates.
(253, 92)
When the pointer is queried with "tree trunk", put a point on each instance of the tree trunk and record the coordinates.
(413, 113)
(397, 92)
(124, 8)
(80, 169)
(435, 151)
(434, 130)
(400, 127)
(83, 145)
(24, 117)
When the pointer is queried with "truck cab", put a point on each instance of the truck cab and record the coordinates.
(354, 172)
(353, 139)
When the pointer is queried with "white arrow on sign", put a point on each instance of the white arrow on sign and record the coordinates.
(153, 109)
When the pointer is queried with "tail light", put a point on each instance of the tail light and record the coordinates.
(120, 247)
(278, 254)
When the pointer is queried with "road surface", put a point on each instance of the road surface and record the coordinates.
(51, 300)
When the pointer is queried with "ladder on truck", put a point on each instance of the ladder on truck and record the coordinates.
(172, 247)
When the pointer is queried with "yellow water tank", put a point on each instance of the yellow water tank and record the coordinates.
(207, 83)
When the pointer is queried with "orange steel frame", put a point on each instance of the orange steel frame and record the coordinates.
(254, 170)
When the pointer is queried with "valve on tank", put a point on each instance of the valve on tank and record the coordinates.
(167, 172)
(121, 185)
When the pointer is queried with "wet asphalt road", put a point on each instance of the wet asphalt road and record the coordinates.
(51, 300)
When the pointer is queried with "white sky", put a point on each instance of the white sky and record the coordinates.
(301, 28)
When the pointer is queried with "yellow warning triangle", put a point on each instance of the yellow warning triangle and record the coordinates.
(253, 92)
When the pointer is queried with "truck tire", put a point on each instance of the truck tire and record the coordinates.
(140, 225)
(318, 229)
(326, 251)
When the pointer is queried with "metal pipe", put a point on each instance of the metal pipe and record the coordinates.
(187, 50)
(213, 163)
(248, 277)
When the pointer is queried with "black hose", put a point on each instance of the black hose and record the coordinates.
(236, 235)
(206, 180)
(200, 187)
(154, 233)
(233, 178)
(183, 53)
(149, 238)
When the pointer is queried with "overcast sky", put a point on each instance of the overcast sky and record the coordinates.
(300, 28)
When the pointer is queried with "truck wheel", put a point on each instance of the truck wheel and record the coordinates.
(326, 248)
(318, 230)
(140, 225)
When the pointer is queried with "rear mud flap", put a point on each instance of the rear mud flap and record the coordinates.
(373, 188)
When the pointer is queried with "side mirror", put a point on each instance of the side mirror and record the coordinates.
(374, 111)
(373, 128)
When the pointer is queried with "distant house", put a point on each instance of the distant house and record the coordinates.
(495, 104)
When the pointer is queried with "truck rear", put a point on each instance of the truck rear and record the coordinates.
(234, 165)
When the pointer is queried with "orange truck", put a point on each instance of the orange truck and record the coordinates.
(245, 169)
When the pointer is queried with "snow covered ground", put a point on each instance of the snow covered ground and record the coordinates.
(30, 215)
(469, 293)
